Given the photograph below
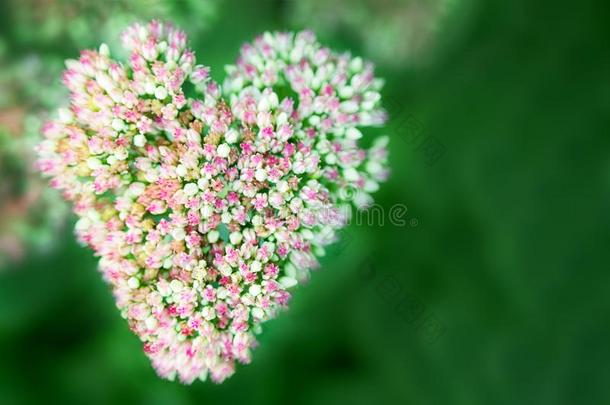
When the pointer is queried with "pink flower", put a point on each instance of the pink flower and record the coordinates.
(199, 207)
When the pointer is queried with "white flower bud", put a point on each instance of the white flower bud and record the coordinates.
(349, 107)
(181, 171)
(136, 189)
(121, 154)
(290, 270)
(231, 136)
(222, 293)
(353, 133)
(213, 236)
(288, 282)
(235, 237)
(151, 322)
(65, 115)
(208, 313)
(151, 176)
(254, 290)
(356, 64)
(133, 283)
(255, 266)
(160, 93)
(164, 289)
(273, 100)
(282, 118)
(346, 92)
(149, 88)
(104, 50)
(331, 159)
(260, 174)
(307, 234)
(206, 211)
(282, 186)
(191, 189)
(371, 186)
(202, 183)
(351, 174)
(118, 124)
(223, 150)
(179, 234)
(258, 313)
(257, 220)
(94, 163)
(176, 285)
(263, 104)
(139, 140)
(373, 167)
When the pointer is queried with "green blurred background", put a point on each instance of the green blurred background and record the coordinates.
(494, 291)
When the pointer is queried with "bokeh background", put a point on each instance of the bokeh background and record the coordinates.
(491, 288)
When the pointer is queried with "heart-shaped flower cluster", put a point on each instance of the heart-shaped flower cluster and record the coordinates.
(204, 205)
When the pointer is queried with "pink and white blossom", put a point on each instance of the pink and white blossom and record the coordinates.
(206, 211)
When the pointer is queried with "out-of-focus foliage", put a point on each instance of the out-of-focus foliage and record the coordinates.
(31, 212)
(395, 32)
(83, 22)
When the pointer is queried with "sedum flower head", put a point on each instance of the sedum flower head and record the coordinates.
(206, 205)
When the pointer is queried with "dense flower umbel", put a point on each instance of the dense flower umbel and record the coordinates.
(205, 210)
